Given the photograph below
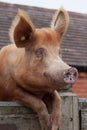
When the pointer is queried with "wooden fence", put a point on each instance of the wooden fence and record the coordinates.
(17, 117)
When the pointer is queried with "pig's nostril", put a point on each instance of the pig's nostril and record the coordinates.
(70, 75)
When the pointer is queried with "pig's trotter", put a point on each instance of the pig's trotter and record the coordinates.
(56, 112)
(44, 118)
(56, 120)
(45, 122)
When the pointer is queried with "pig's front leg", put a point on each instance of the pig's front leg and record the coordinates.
(36, 104)
(56, 111)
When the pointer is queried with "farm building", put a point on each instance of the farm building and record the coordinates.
(73, 46)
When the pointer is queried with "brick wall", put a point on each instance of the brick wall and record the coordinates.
(80, 87)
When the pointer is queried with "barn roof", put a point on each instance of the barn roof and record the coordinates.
(74, 44)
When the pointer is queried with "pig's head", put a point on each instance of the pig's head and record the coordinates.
(42, 51)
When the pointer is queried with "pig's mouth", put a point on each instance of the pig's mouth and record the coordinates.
(70, 76)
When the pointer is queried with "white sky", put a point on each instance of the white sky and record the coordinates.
(70, 5)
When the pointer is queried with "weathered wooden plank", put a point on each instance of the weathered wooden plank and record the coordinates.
(82, 103)
(25, 119)
(22, 117)
(67, 112)
(83, 113)
(84, 119)
(75, 113)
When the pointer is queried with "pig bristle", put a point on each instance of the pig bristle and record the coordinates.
(11, 30)
(24, 14)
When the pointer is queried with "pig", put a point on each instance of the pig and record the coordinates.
(31, 69)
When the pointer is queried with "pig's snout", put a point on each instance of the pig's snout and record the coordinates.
(70, 76)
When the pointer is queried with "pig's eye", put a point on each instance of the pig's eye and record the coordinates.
(40, 52)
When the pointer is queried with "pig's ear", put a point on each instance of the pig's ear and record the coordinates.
(60, 22)
(22, 30)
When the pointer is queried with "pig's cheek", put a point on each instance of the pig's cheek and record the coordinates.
(51, 79)
(55, 81)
